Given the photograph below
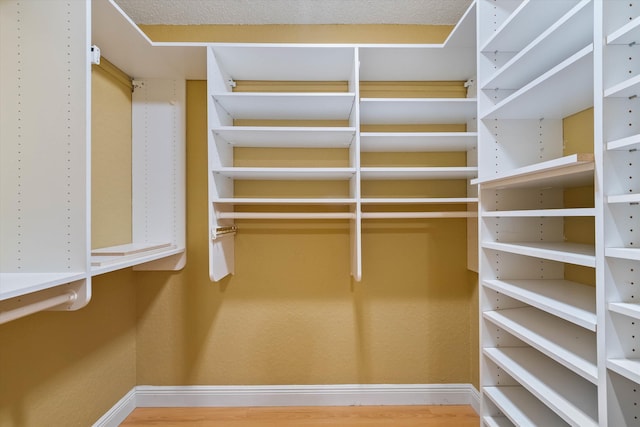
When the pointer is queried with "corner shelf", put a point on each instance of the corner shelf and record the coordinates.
(628, 143)
(625, 308)
(623, 253)
(626, 34)
(628, 368)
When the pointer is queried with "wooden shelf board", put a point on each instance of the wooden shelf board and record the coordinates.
(624, 198)
(573, 170)
(521, 407)
(283, 201)
(538, 99)
(496, 421)
(567, 300)
(286, 215)
(259, 173)
(625, 89)
(286, 137)
(624, 253)
(416, 63)
(572, 253)
(628, 33)
(286, 106)
(417, 200)
(129, 249)
(546, 50)
(417, 215)
(628, 368)
(541, 213)
(417, 141)
(626, 309)
(524, 24)
(16, 284)
(417, 110)
(105, 264)
(385, 173)
(629, 143)
(548, 334)
(288, 62)
(573, 398)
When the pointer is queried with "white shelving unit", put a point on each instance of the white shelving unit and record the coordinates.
(237, 120)
(620, 130)
(540, 328)
(46, 261)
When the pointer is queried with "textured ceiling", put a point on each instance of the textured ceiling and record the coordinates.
(185, 12)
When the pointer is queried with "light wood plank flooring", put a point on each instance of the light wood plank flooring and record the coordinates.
(343, 416)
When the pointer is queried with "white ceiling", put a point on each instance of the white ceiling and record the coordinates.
(257, 12)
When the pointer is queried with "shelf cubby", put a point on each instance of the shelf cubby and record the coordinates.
(417, 141)
(522, 407)
(286, 137)
(417, 110)
(573, 398)
(571, 301)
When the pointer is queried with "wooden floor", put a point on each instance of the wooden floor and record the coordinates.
(343, 416)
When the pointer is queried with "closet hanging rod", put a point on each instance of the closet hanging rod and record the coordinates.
(286, 215)
(29, 308)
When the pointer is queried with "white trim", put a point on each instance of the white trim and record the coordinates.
(121, 410)
(290, 395)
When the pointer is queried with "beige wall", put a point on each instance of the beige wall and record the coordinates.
(69, 368)
(291, 314)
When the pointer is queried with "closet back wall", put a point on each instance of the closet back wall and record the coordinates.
(291, 313)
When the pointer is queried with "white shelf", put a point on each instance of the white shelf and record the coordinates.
(417, 215)
(496, 421)
(283, 201)
(567, 300)
(549, 48)
(548, 334)
(541, 213)
(626, 309)
(417, 110)
(286, 106)
(416, 63)
(624, 253)
(286, 215)
(627, 34)
(273, 173)
(286, 62)
(522, 408)
(385, 173)
(628, 368)
(286, 137)
(573, 398)
(101, 264)
(624, 198)
(16, 284)
(628, 143)
(625, 89)
(573, 170)
(417, 141)
(417, 200)
(524, 24)
(572, 253)
(573, 78)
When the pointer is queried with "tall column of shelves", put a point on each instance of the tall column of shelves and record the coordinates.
(535, 71)
(621, 136)
(44, 231)
(284, 148)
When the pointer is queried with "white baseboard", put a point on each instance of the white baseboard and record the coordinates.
(121, 410)
(291, 395)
